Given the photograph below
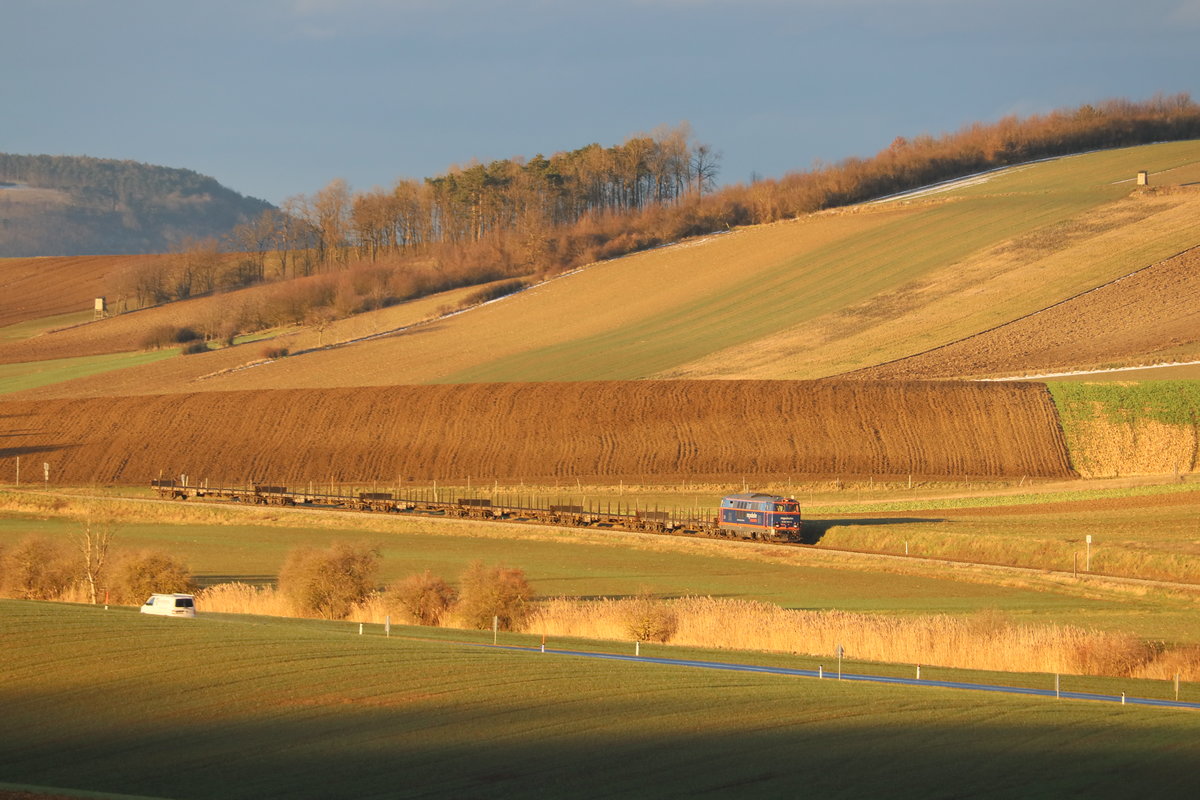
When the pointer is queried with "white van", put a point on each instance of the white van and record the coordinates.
(170, 605)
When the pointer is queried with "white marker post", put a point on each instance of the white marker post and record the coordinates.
(387, 626)
(841, 651)
(1087, 562)
(495, 628)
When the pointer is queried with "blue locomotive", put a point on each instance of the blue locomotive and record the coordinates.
(760, 516)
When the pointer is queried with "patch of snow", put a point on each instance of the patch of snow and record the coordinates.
(966, 180)
(1092, 371)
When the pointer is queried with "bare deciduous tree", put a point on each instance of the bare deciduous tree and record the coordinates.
(94, 540)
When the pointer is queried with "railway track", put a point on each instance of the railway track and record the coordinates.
(595, 515)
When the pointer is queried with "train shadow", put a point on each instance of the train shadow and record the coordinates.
(813, 530)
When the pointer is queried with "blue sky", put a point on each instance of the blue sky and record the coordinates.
(278, 97)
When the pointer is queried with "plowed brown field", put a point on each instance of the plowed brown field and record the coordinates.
(1150, 315)
(125, 332)
(640, 430)
(33, 288)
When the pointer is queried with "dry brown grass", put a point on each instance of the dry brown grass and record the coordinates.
(1139, 447)
(984, 641)
(242, 598)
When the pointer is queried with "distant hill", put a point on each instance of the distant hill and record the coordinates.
(77, 205)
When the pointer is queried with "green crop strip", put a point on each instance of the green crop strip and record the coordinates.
(1166, 402)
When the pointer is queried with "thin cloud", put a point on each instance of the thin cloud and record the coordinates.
(1187, 13)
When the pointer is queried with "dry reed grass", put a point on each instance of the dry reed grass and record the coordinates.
(984, 641)
(242, 598)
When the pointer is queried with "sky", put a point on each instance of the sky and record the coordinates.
(276, 98)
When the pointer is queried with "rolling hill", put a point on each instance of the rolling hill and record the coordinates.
(824, 295)
(1051, 266)
(76, 205)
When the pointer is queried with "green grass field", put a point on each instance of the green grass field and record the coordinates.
(30, 375)
(1168, 402)
(894, 254)
(232, 543)
(826, 281)
(561, 563)
(244, 707)
(26, 330)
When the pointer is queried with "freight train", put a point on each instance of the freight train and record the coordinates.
(760, 516)
(749, 515)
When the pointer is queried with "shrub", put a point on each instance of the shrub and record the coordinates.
(487, 592)
(185, 334)
(327, 583)
(38, 568)
(493, 292)
(273, 352)
(139, 576)
(198, 346)
(649, 619)
(159, 337)
(426, 597)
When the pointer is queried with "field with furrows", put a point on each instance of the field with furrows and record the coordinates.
(34, 288)
(616, 430)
